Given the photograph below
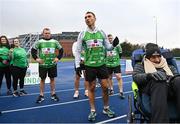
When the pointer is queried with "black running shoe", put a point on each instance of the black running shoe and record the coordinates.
(121, 95)
(111, 92)
(54, 97)
(40, 99)
(22, 93)
(16, 94)
(9, 92)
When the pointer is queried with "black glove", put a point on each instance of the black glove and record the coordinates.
(171, 78)
(159, 76)
(115, 42)
(78, 71)
(120, 55)
(149, 76)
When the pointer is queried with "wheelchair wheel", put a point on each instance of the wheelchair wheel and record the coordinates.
(130, 115)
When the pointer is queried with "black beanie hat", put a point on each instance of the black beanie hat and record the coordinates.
(152, 49)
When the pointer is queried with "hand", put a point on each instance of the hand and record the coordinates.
(6, 62)
(78, 71)
(171, 78)
(82, 62)
(149, 76)
(11, 50)
(159, 76)
(56, 60)
(115, 42)
(40, 61)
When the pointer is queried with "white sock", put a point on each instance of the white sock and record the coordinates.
(106, 107)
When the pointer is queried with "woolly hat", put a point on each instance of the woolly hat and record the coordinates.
(152, 49)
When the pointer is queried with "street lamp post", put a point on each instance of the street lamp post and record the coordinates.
(156, 27)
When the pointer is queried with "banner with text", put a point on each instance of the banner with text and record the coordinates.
(32, 75)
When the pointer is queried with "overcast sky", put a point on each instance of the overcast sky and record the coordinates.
(128, 19)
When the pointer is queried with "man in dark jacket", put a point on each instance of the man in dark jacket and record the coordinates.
(159, 80)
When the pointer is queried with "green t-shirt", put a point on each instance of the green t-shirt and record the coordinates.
(112, 57)
(4, 55)
(94, 49)
(19, 57)
(47, 51)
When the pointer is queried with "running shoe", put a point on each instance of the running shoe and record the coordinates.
(22, 93)
(121, 95)
(98, 84)
(92, 116)
(109, 112)
(16, 94)
(111, 92)
(76, 94)
(54, 97)
(86, 93)
(9, 92)
(40, 99)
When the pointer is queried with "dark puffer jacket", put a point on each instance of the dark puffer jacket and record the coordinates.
(140, 77)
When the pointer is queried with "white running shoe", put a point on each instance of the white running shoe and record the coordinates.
(76, 94)
(98, 84)
(86, 93)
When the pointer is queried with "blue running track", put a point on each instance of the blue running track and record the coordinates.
(67, 110)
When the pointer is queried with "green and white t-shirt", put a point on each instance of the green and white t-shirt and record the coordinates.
(112, 56)
(94, 42)
(46, 49)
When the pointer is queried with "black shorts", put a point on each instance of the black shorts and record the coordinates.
(82, 67)
(91, 73)
(115, 70)
(52, 72)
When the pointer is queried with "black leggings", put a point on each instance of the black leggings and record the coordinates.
(5, 71)
(18, 74)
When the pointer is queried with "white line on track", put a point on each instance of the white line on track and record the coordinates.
(57, 104)
(113, 119)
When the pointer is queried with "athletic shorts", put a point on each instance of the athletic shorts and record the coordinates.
(52, 72)
(115, 70)
(91, 73)
(82, 67)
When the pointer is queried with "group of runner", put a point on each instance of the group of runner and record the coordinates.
(96, 54)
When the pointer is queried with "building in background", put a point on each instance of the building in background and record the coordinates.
(65, 38)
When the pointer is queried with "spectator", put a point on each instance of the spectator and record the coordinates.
(158, 80)
(4, 63)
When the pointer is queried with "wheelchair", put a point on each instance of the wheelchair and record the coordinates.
(140, 111)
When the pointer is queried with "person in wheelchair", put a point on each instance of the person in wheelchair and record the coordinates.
(159, 81)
